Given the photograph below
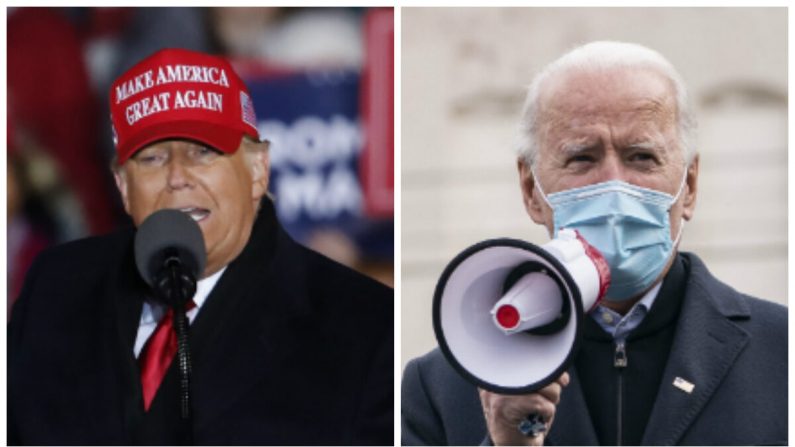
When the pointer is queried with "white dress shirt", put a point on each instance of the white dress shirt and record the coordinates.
(153, 312)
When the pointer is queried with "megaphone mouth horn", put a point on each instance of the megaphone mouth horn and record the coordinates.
(467, 319)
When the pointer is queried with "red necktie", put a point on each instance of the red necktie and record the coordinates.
(157, 354)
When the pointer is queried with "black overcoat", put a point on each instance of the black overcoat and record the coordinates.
(289, 348)
(732, 347)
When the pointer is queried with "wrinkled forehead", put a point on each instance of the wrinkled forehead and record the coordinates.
(607, 91)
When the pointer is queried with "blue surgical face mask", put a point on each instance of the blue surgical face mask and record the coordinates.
(628, 224)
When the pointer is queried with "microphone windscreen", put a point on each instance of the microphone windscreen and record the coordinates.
(168, 229)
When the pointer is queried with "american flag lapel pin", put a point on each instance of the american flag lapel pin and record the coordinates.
(684, 385)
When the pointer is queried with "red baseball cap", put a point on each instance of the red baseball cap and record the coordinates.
(178, 93)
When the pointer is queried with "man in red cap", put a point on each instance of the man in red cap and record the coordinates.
(287, 347)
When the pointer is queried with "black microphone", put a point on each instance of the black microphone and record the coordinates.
(170, 256)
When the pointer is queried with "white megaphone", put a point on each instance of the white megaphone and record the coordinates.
(508, 314)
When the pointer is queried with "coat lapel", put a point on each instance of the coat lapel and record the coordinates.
(705, 347)
(576, 428)
(228, 354)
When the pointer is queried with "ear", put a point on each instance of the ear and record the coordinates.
(259, 161)
(691, 183)
(121, 183)
(532, 199)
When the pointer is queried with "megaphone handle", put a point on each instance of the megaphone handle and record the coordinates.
(533, 425)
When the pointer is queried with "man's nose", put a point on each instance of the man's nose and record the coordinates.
(179, 176)
(611, 168)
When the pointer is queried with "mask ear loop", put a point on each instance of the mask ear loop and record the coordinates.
(682, 220)
(543, 196)
(538, 186)
(681, 188)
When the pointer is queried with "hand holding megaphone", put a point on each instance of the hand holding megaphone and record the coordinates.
(505, 412)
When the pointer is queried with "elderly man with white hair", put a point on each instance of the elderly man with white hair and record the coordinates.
(608, 149)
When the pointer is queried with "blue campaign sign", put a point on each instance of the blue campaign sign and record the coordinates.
(312, 120)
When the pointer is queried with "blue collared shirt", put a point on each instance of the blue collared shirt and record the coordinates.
(618, 326)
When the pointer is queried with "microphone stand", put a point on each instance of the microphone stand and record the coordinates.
(180, 286)
(185, 370)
